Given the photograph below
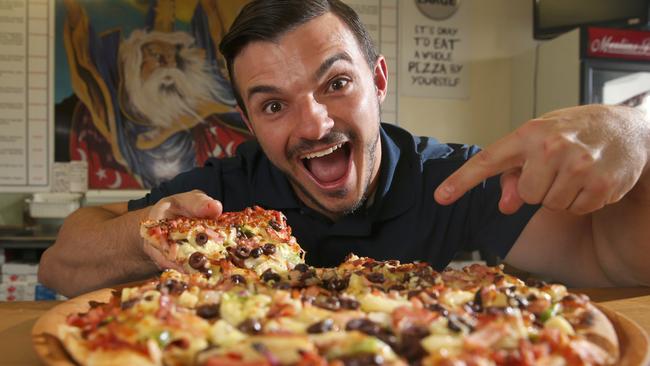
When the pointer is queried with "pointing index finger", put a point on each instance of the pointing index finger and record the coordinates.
(497, 158)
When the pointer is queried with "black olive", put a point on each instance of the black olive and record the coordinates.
(362, 359)
(321, 326)
(470, 307)
(197, 260)
(275, 225)
(234, 258)
(260, 347)
(534, 282)
(389, 338)
(201, 238)
(336, 284)
(182, 343)
(207, 272)
(478, 299)
(268, 249)
(269, 275)
(283, 285)
(411, 347)
(453, 323)
(347, 303)
(438, 308)
(129, 304)
(413, 293)
(519, 302)
(250, 326)
(370, 264)
(237, 279)
(307, 275)
(257, 252)
(174, 287)
(363, 325)
(301, 267)
(329, 303)
(242, 252)
(208, 311)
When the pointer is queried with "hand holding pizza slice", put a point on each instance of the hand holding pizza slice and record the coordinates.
(254, 239)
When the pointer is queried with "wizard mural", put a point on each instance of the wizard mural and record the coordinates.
(145, 101)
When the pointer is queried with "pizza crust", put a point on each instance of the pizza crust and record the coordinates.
(76, 347)
(600, 331)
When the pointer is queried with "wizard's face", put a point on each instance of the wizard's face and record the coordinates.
(158, 54)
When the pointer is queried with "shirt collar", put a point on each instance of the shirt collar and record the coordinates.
(394, 195)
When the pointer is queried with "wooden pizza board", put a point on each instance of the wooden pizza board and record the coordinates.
(634, 341)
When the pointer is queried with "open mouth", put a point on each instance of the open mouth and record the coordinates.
(330, 166)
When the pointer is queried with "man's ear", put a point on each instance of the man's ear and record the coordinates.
(380, 72)
(246, 121)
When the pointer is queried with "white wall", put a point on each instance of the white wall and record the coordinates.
(500, 29)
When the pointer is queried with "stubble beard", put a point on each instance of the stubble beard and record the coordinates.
(370, 157)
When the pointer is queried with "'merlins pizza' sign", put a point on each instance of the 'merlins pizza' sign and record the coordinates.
(618, 43)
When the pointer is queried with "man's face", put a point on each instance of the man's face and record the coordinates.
(313, 104)
(156, 54)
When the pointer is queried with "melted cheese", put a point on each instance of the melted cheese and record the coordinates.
(236, 308)
(370, 302)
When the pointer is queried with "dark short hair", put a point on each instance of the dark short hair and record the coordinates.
(268, 20)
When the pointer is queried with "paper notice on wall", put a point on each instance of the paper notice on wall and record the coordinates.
(25, 94)
(69, 177)
(434, 48)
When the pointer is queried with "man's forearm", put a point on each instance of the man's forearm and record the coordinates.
(95, 248)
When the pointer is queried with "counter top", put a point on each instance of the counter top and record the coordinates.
(18, 318)
(27, 239)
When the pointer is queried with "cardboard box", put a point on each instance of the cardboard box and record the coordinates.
(20, 268)
(18, 278)
(17, 292)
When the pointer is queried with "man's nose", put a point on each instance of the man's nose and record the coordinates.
(314, 121)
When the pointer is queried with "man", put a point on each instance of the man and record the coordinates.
(309, 85)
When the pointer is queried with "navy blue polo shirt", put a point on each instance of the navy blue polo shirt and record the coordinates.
(404, 222)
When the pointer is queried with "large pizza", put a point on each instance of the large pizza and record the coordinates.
(246, 298)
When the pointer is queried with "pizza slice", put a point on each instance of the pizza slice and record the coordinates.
(140, 326)
(255, 239)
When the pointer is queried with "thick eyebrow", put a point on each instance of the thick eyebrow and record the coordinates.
(322, 70)
(261, 89)
(327, 64)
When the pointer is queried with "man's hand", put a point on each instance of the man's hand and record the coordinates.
(189, 204)
(576, 159)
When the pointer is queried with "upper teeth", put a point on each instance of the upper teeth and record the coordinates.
(318, 154)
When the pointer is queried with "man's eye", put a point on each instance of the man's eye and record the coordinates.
(338, 84)
(273, 107)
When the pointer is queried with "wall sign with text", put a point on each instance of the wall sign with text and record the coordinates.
(434, 48)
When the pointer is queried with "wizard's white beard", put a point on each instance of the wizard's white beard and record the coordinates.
(170, 93)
